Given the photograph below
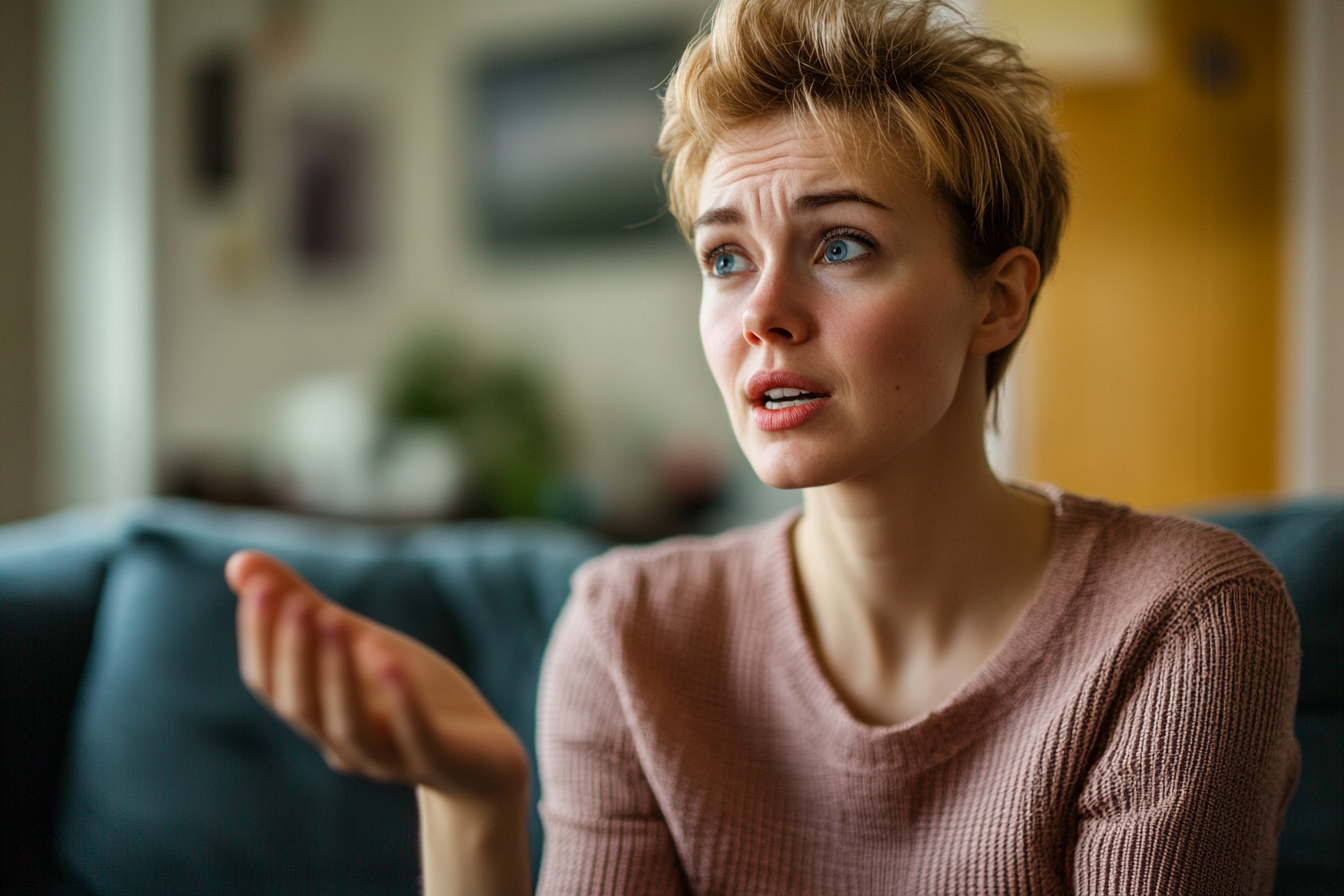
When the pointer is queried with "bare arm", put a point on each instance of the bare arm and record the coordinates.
(378, 703)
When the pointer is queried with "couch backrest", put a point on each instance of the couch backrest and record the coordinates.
(51, 573)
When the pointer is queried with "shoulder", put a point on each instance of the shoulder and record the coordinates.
(1174, 570)
(1170, 543)
(671, 587)
(1166, 550)
(649, 633)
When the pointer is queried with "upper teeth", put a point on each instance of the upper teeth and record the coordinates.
(779, 399)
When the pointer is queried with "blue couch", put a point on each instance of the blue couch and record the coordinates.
(132, 761)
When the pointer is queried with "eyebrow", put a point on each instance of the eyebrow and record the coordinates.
(809, 203)
(717, 216)
(818, 200)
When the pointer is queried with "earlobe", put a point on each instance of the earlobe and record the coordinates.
(1010, 287)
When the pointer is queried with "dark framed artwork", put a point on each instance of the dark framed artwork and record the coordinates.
(331, 214)
(214, 86)
(564, 141)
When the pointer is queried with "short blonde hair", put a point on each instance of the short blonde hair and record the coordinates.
(891, 80)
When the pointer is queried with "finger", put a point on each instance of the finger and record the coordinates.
(345, 717)
(292, 665)
(239, 567)
(243, 565)
(412, 733)
(335, 761)
(262, 583)
(256, 627)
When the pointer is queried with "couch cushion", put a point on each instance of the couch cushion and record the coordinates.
(180, 782)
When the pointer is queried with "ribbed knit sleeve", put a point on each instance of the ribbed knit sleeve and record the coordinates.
(605, 832)
(1189, 791)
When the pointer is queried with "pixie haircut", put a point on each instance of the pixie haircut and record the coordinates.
(891, 84)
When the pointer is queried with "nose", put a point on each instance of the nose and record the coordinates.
(773, 315)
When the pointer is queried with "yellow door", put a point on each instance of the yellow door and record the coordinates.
(1151, 368)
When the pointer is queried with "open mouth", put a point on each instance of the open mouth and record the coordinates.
(779, 399)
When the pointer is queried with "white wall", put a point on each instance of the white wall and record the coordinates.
(98, 317)
(1312, 452)
(617, 333)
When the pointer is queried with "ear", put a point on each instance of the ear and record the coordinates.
(1006, 291)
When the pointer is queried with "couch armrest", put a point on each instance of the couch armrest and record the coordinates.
(51, 573)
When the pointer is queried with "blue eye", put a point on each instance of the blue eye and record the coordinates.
(841, 249)
(726, 263)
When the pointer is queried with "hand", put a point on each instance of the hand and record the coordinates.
(373, 701)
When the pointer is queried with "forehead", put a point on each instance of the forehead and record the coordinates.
(773, 152)
(781, 157)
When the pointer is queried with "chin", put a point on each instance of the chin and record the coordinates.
(792, 467)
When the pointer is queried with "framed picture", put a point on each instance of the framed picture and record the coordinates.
(331, 188)
(565, 141)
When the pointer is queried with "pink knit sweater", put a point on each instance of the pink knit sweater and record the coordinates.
(1132, 734)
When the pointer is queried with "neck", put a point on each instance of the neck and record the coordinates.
(926, 538)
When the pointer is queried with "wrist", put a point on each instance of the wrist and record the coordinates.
(473, 817)
(473, 844)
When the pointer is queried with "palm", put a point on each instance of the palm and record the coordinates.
(373, 700)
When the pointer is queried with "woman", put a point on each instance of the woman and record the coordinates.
(930, 681)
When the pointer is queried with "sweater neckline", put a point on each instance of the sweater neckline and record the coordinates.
(980, 699)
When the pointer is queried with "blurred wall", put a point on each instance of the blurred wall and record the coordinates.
(1152, 368)
(1077, 40)
(615, 332)
(1152, 374)
(1312, 384)
(97, 316)
(20, 138)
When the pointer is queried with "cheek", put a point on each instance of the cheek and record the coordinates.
(911, 345)
(720, 339)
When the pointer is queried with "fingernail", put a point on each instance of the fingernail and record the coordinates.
(231, 565)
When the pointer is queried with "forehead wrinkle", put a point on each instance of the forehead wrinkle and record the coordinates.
(766, 180)
(773, 165)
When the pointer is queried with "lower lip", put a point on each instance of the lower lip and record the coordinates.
(786, 418)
